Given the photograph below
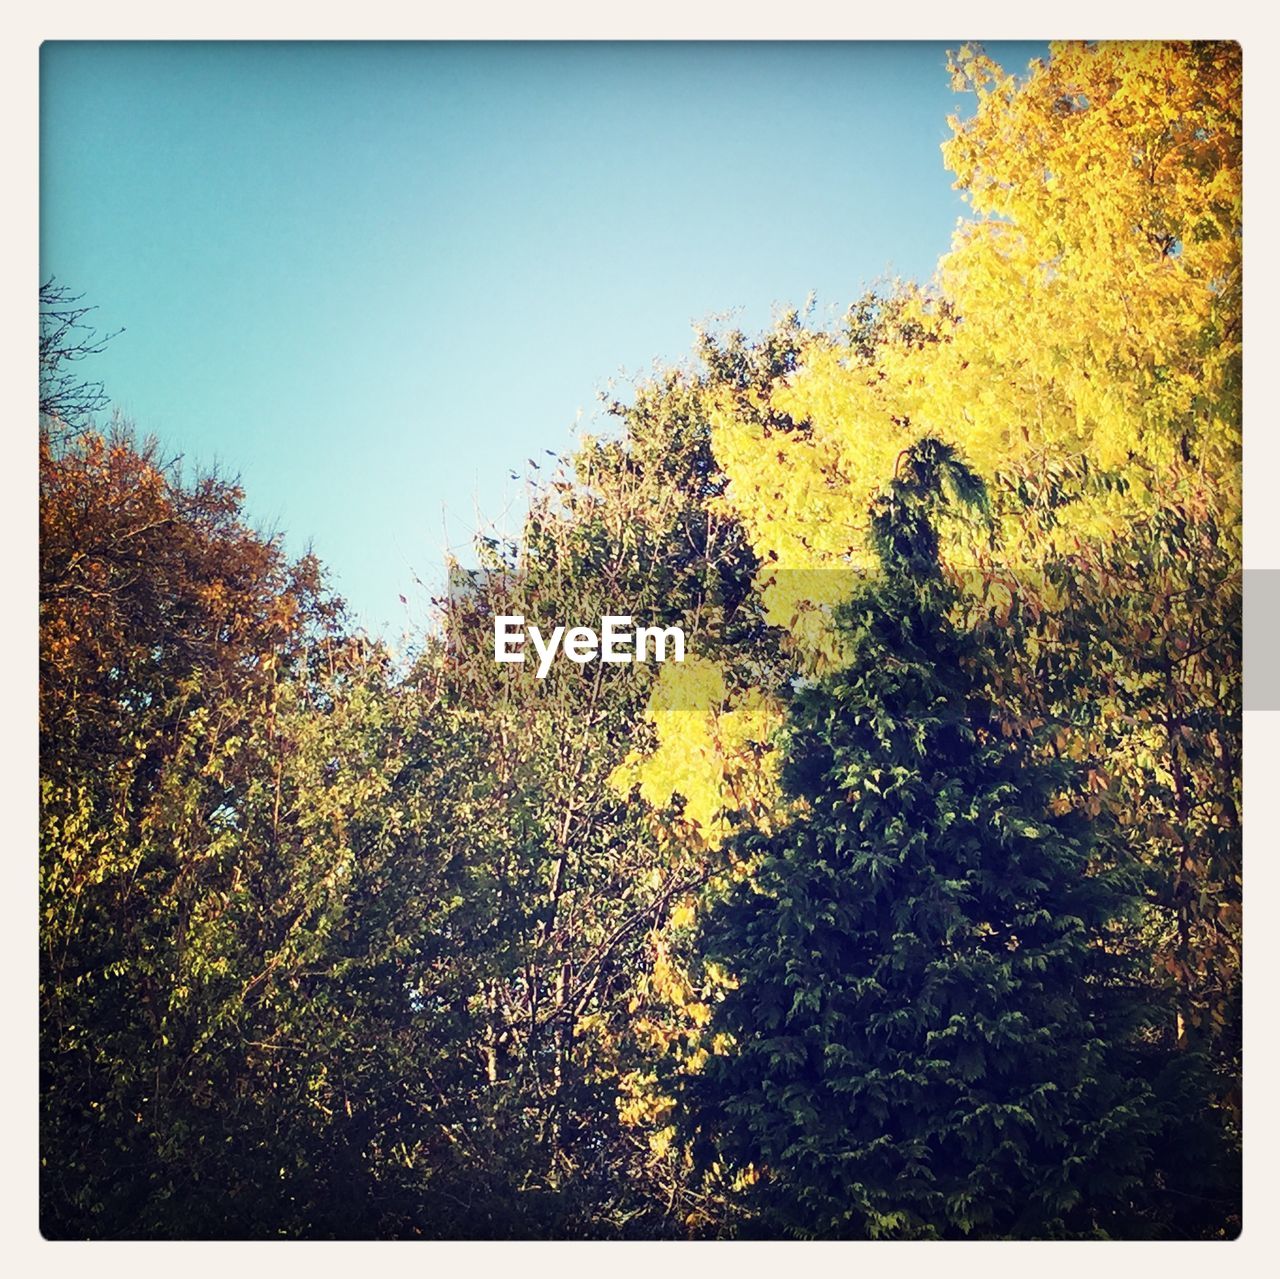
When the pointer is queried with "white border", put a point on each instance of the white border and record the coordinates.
(667, 19)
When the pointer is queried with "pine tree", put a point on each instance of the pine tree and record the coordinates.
(935, 1032)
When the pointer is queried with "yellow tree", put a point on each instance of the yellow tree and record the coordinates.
(1080, 347)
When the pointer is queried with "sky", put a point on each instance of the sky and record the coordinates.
(372, 280)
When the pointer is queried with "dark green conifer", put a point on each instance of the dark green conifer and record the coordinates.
(936, 1031)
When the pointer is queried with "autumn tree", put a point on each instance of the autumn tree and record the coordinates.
(338, 945)
(233, 917)
(1081, 345)
(269, 855)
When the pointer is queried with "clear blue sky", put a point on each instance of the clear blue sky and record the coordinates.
(372, 279)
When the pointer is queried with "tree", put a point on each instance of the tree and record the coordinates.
(359, 946)
(934, 1028)
(575, 887)
(67, 401)
(338, 946)
(1081, 345)
(177, 896)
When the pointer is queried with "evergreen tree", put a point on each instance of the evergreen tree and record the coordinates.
(936, 1031)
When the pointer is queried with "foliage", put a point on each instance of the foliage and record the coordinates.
(1081, 346)
(936, 1030)
(912, 897)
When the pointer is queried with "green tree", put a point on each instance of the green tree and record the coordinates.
(570, 883)
(937, 1029)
